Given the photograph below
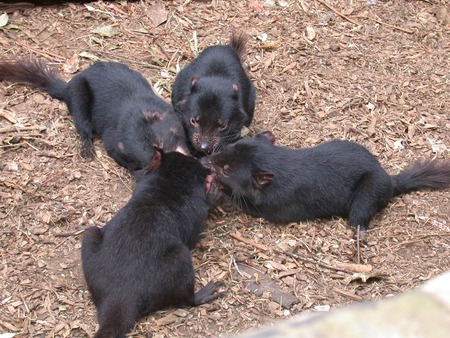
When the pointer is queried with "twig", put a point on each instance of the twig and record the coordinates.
(13, 185)
(307, 260)
(387, 24)
(236, 266)
(352, 267)
(338, 13)
(71, 233)
(419, 239)
(348, 295)
(8, 326)
(247, 241)
(14, 128)
(358, 247)
(292, 255)
(58, 245)
(51, 56)
(7, 116)
(47, 181)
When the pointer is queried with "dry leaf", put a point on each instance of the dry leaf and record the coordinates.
(7, 335)
(157, 14)
(275, 266)
(166, 320)
(258, 7)
(363, 277)
(411, 131)
(39, 230)
(8, 116)
(4, 20)
(105, 31)
(89, 56)
(371, 129)
(352, 266)
(310, 33)
(441, 14)
(71, 65)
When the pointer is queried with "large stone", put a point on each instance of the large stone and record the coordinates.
(420, 313)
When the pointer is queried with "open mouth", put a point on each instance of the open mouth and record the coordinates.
(209, 181)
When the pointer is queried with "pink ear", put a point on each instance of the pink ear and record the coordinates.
(268, 135)
(156, 160)
(194, 80)
(235, 94)
(264, 179)
(152, 116)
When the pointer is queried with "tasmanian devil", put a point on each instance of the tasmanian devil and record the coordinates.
(214, 97)
(336, 178)
(140, 261)
(111, 101)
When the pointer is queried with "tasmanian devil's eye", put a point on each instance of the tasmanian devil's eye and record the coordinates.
(226, 167)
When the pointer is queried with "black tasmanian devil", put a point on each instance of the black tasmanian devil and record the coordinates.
(336, 178)
(140, 261)
(214, 96)
(111, 101)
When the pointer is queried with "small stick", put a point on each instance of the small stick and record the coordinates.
(358, 249)
(247, 241)
(348, 295)
(71, 233)
(8, 326)
(7, 116)
(48, 55)
(236, 266)
(292, 255)
(58, 245)
(388, 25)
(338, 13)
(419, 239)
(307, 260)
(53, 177)
(361, 268)
(14, 128)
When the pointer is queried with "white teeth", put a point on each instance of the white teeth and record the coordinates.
(181, 150)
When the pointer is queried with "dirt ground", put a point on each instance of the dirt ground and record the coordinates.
(375, 72)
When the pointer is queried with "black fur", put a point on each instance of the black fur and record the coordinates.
(109, 100)
(336, 178)
(214, 96)
(140, 261)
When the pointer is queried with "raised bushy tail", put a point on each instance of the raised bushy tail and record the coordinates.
(238, 42)
(426, 174)
(35, 74)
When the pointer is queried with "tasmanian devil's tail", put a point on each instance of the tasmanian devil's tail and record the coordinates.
(428, 174)
(34, 74)
(238, 42)
(115, 319)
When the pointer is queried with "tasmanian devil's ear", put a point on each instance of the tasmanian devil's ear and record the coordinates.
(263, 179)
(156, 160)
(152, 116)
(194, 81)
(267, 135)
(235, 90)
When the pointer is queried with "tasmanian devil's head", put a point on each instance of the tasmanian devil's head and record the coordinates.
(165, 131)
(240, 168)
(178, 167)
(213, 113)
